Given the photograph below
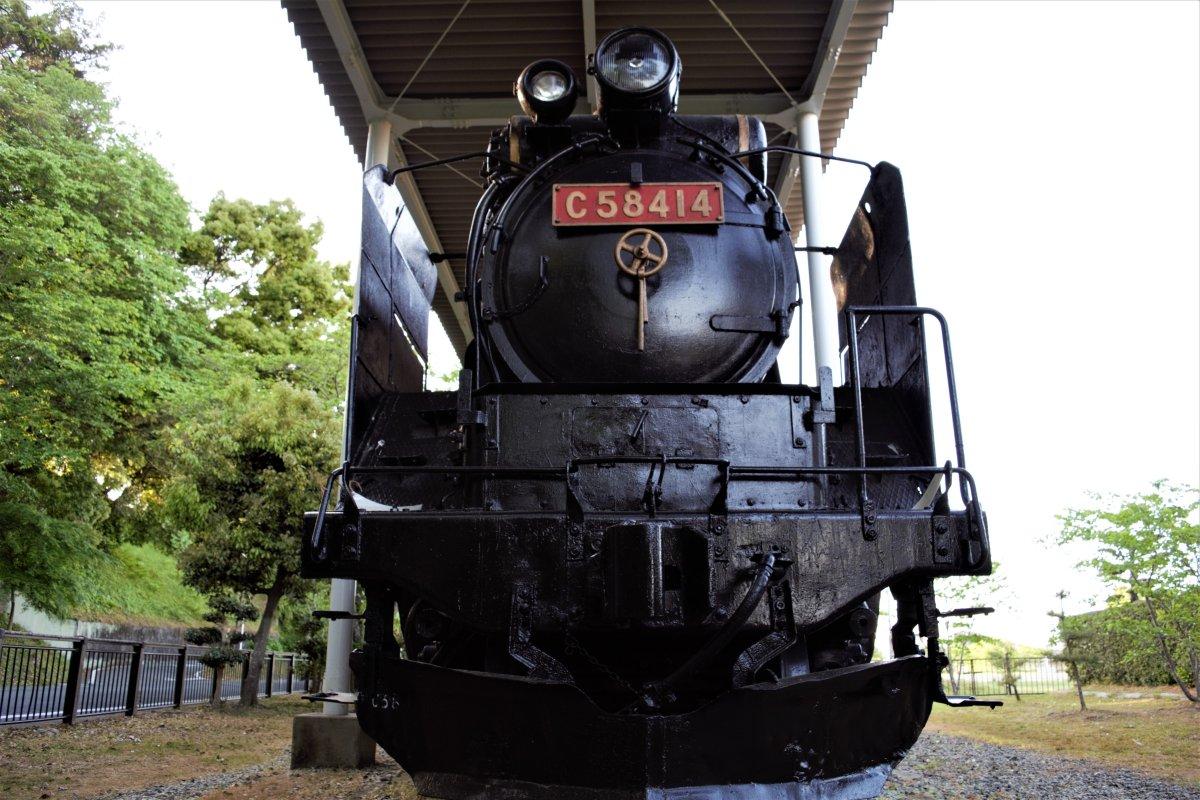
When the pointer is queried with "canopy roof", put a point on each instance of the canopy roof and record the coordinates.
(441, 71)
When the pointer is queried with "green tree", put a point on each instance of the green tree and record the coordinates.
(1149, 546)
(59, 37)
(1117, 646)
(96, 332)
(300, 633)
(280, 309)
(1071, 635)
(223, 650)
(974, 596)
(255, 451)
(253, 465)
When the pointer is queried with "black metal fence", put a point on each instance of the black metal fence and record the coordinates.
(986, 677)
(65, 678)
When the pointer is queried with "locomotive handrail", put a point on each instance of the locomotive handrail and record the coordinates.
(727, 473)
(318, 528)
(852, 313)
(391, 176)
(501, 219)
(781, 148)
(734, 472)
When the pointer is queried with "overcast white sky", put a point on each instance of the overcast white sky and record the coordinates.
(1050, 155)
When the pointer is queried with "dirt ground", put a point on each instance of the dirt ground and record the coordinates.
(385, 781)
(98, 757)
(228, 754)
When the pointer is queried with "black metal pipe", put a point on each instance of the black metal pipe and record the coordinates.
(758, 587)
(782, 148)
(391, 176)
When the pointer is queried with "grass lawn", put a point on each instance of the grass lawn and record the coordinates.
(92, 758)
(1155, 735)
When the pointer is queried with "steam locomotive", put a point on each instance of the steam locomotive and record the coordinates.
(623, 559)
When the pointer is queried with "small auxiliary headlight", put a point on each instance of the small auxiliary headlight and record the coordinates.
(547, 91)
(547, 86)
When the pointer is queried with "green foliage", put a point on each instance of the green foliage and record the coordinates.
(300, 633)
(222, 655)
(257, 459)
(57, 37)
(222, 649)
(960, 639)
(95, 333)
(233, 607)
(253, 456)
(140, 585)
(1072, 637)
(158, 386)
(276, 305)
(202, 636)
(1148, 547)
(442, 381)
(1117, 645)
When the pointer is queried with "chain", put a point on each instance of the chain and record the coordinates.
(573, 647)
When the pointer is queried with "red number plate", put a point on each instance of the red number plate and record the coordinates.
(647, 204)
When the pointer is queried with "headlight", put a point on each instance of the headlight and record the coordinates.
(638, 70)
(547, 86)
(547, 90)
(635, 62)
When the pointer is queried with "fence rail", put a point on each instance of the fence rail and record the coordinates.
(1007, 676)
(65, 678)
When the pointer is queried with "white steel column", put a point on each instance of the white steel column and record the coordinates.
(379, 143)
(342, 590)
(822, 302)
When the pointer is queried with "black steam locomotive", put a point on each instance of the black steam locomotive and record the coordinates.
(626, 560)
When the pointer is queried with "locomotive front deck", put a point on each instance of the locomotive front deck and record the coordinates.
(638, 522)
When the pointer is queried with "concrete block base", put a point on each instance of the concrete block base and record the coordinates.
(325, 741)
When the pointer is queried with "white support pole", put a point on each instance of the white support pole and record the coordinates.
(379, 143)
(342, 590)
(822, 302)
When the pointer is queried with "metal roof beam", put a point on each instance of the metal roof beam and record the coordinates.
(372, 101)
(589, 47)
(354, 61)
(491, 112)
(814, 89)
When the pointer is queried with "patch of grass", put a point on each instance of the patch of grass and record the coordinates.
(1155, 735)
(141, 585)
(97, 757)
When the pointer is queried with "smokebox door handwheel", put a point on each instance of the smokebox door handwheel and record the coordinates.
(640, 253)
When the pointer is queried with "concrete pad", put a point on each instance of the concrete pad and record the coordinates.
(325, 741)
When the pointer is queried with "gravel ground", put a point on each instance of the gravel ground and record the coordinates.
(944, 767)
(198, 787)
(940, 767)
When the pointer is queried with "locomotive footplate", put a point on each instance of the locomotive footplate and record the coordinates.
(467, 565)
(467, 735)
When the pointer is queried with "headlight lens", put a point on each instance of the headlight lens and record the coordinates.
(635, 62)
(548, 85)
